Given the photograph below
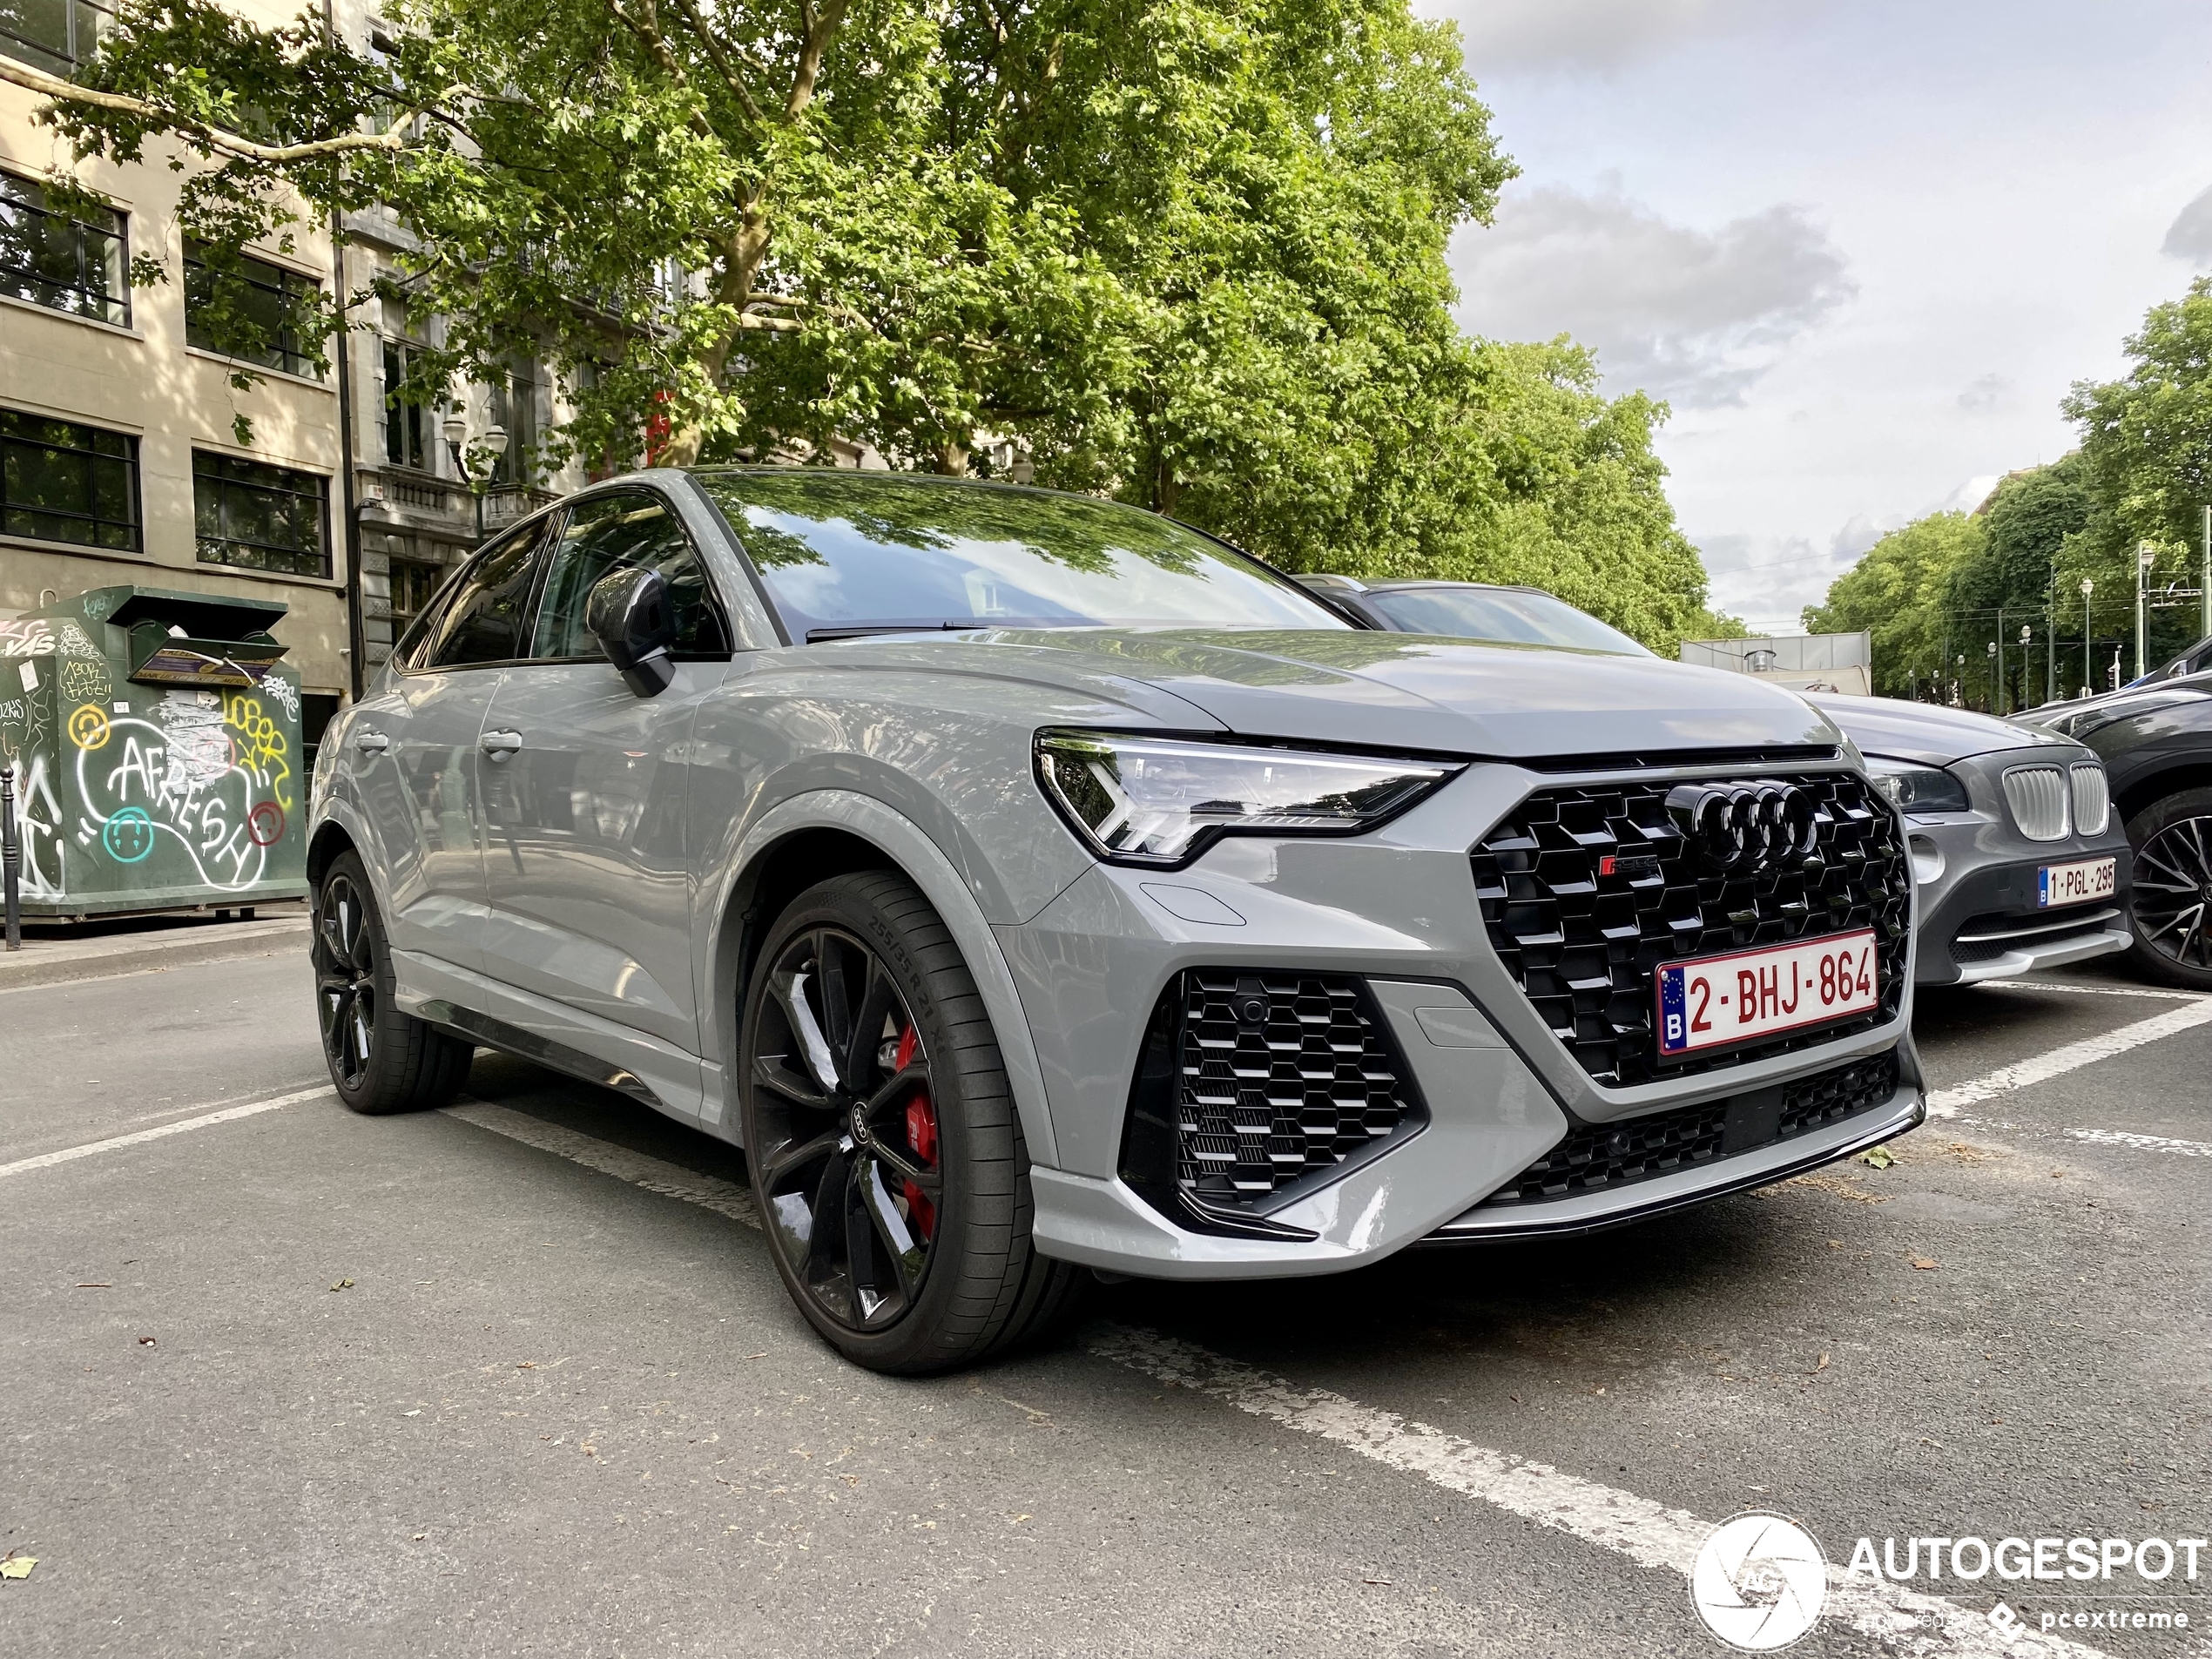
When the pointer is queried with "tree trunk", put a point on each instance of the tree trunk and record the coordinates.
(952, 458)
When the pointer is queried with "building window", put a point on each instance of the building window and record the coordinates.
(53, 34)
(414, 585)
(409, 431)
(61, 481)
(78, 265)
(514, 405)
(266, 518)
(249, 310)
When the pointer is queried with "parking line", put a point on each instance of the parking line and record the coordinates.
(229, 1113)
(2142, 1142)
(654, 1175)
(1946, 1102)
(2090, 990)
(1649, 1534)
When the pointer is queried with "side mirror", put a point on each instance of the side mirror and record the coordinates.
(632, 617)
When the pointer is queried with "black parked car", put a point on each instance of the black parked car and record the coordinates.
(2156, 739)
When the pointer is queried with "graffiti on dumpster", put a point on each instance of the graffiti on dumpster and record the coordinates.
(38, 826)
(210, 772)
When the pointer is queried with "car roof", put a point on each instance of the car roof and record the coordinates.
(1399, 585)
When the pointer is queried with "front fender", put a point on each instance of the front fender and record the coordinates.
(902, 841)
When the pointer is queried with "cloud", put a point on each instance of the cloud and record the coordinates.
(1601, 34)
(1691, 315)
(2190, 236)
(1985, 394)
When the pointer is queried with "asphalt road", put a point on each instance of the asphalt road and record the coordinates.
(518, 1379)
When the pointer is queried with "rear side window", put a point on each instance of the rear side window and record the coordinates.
(483, 620)
(630, 529)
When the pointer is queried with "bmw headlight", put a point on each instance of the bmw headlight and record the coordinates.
(1917, 789)
(1161, 800)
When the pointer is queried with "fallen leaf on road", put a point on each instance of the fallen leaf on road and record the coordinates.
(1924, 1263)
(1374, 1580)
(343, 1285)
(1879, 1158)
(526, 1365)
(89, 1285)
(146, 1342)
(15, 1566)
(1823, 1366)
(417, 1412)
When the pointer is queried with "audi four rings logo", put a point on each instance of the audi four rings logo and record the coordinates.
(1745, 827)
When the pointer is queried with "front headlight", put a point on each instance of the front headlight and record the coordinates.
(1161, 800)
(1917, 789)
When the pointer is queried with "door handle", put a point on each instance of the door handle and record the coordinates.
(371, 742)
(500, 744)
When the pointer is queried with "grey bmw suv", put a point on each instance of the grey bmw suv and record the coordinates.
(1031, 885)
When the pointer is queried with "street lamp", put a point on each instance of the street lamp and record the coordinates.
(2026, 636)
(493, 444)
(2146, 556)
(2088, 671)
(1992, 677)
(1958, 673)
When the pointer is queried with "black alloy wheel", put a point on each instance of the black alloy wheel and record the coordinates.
(382, 1060)
(2170, 905)
(882, 1134)
(848, 1165)
(345, 994)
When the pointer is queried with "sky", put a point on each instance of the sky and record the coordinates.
(1862, 247)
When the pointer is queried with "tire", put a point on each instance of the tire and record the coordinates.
(2169, 906)
(880, 1133)
(381, 1060)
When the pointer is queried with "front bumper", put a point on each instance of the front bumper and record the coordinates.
(1979, 916)
(1397, 909)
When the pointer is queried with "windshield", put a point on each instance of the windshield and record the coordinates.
(1504, 614)
(843, 553)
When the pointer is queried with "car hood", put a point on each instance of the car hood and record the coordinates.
(1925, 732)
(1399, 691)
(2078, 720)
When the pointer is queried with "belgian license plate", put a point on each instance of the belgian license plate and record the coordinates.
(2058, 884)
(1711, 1001)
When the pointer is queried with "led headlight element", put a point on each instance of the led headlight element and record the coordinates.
(1159, 800)
(1917, 789)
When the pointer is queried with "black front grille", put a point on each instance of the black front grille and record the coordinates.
(1814, 1103)
(1282, 1075)
(1596, 1157)
(1583, 943)
(1610, 1155)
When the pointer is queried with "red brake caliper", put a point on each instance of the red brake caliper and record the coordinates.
(921, 1135)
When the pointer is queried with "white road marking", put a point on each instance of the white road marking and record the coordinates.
(2143, 1142)
(2090, 990)
(654, 1175)
(1946, 1102)
(1648, 1534)
(229, 1113)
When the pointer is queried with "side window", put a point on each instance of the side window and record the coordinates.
(484, 619)
(629, 529)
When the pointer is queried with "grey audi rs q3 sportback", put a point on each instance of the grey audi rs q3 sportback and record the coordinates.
(1032, 885)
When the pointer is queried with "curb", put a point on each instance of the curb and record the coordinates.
(56, 962)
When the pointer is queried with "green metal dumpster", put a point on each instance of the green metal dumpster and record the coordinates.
(155, 738)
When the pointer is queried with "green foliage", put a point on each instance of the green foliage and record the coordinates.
(1190, 254)
(2146, 444)
(1899, 592)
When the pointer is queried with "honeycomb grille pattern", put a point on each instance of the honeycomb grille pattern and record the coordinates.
(1814, 1103)
(1282, 1075)
(1600, 1156)
(1596, 1157)
(1586, 891)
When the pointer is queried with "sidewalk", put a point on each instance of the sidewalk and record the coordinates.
(53, 955)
